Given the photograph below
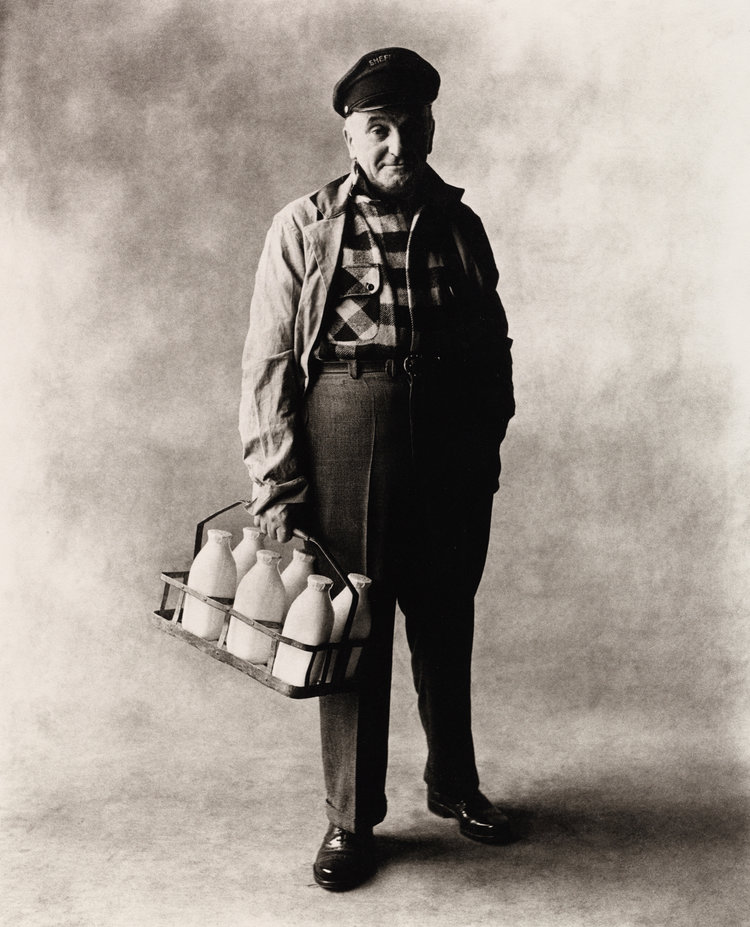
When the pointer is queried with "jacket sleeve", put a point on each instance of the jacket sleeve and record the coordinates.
(488, 383)
(271, 386)
(491, 344)
(494, 322)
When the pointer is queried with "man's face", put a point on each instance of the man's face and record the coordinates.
(391, 146)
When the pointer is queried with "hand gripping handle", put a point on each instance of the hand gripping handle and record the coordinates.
(302, 536)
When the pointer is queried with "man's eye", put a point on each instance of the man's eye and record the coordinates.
(378, 131)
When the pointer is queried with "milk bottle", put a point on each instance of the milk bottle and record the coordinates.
(295, 575)
(260, 596)
(360, 626)
(310, 621)
(245, 552)
(214, 574)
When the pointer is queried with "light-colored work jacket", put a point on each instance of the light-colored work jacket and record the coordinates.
(292, 284)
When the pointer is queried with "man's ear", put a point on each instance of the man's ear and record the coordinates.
(430, 135)
(348, 140)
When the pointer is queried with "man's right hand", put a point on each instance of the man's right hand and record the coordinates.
(278, 521)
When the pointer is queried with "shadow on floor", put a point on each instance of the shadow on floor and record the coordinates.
(605, 826)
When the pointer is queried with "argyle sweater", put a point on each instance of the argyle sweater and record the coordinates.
(386, 286)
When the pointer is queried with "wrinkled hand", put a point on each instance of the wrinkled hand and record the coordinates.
(278, 521)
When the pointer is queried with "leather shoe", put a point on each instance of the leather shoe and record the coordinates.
(478, 819)
(344, 859)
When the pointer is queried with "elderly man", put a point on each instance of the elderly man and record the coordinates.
(376, 392)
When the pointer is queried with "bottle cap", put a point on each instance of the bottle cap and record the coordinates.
(359, 579)
(301, 555)
(318, 582)
(253, 533)
(214, 534)
(268, 556)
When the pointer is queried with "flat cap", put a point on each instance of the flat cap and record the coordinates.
(385, 77)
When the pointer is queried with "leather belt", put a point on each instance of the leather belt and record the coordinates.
(356, 368)
(412, 365)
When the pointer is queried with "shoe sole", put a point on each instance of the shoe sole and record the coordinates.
(330, 886)
(335, 886)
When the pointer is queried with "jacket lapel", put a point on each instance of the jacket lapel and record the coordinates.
(326, 234)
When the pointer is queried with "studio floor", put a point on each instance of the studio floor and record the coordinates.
(166, 812)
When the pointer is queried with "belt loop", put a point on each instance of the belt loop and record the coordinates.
(390, 367)
(353, 369)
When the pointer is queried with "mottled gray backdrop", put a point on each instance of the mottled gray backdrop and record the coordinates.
(146, 146)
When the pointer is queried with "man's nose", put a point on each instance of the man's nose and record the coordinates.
(395, 144)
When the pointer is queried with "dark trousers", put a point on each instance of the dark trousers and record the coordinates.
(387, 497)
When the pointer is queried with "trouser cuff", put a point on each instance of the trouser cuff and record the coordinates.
(356, 824)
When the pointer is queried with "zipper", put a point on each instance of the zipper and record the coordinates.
(409, 360)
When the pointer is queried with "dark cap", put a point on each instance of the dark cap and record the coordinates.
(385, 77)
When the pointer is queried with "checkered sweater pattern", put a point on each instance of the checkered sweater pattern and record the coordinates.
(387, 282)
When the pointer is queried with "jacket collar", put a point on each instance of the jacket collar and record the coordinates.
(331, 200)
(325, 234)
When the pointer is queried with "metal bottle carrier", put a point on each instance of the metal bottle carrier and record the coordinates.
(169, 620)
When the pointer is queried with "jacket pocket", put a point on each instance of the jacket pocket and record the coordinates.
(355, 304)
